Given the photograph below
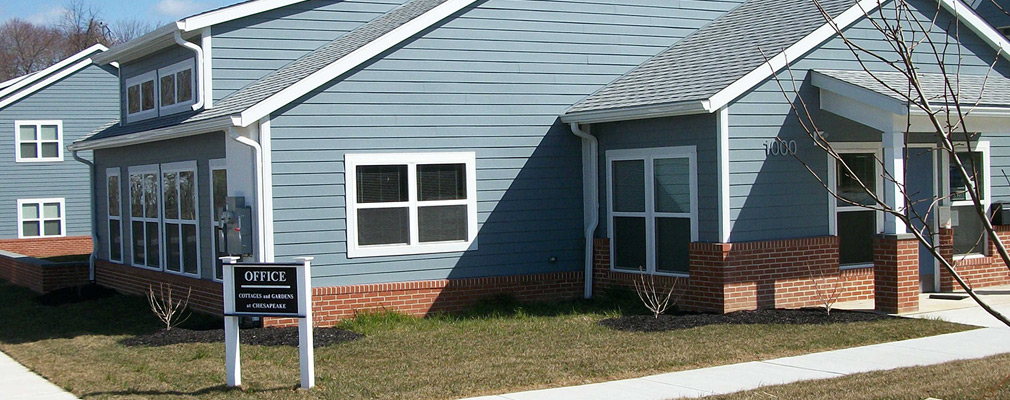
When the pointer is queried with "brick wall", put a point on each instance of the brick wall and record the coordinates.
(48, 247)
(979, 272)
(896, 274)
(728, 277)
(41, 276)
(206, 295)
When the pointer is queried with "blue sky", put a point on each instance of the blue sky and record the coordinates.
(160, 11)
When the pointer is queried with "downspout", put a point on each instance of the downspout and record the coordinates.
(260, 220)
(591, 199)
(197, 70)
(94, 217)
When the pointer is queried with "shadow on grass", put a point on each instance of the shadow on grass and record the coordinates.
(208, 390)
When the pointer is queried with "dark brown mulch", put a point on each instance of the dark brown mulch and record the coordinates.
(648, 323)
(321, 337)
(75, 294)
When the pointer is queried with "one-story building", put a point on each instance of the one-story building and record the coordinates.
(432, 152)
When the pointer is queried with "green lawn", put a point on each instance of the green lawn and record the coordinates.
(494, 349)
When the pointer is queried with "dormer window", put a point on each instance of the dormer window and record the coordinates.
(140, 97)
(166, 91)
(176, 86)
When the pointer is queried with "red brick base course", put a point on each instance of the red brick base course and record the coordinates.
(41, 276)
(978, 271)
(48, 247)
(206, 296)
(896, 273)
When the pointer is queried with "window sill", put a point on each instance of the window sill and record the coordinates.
(847, 267)
(40, 160)
(400, 250)
(656, 273)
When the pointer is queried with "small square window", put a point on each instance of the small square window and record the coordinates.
(41, 218)
(38, 141)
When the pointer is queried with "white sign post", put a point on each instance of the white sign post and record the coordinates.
(267, 290)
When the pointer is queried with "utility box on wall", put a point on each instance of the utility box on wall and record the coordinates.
(237, 228)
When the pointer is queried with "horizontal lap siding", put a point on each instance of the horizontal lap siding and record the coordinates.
(492, 80)
(83, 101)
(774, 197)
(247, 49)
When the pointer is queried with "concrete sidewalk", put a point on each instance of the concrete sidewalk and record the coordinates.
(20, 383)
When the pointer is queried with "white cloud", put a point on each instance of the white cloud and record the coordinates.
(47, 16)
(178, 8)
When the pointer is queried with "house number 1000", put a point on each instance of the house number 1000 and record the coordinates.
(780, 147)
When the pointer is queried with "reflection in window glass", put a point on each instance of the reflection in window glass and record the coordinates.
(672, 185)
(972, 162)
(629, 185)
(850, 186)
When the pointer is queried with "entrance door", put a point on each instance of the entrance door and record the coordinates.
(920, 178)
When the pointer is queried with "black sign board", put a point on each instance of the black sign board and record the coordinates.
(266, 290)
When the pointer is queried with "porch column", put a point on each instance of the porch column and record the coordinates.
(894, 164)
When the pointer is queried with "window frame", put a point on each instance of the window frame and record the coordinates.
(139, 80)
(177, 167)
(833, 208)
(114, 172)
(142, 170)
(173, 70)
(980, 146)
(41, 219)
(648, 157)
(18, 157)
(215, 165)
(411, 160)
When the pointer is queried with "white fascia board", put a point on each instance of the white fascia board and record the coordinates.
(859, 93)
(43, 83)
(988, 34)
(792, 53)
(31, 78)
(639, 112)
(378, 46)
(215, 17)
(145, 44)
(154, 135)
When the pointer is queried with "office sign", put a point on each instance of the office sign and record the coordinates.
(266, 290)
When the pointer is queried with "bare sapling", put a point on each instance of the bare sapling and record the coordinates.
(652, 296)
(827, 294)
(169, 311)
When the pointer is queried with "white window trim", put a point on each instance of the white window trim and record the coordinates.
(352, 161)
(214, 165)
(981, 146)
(145, 169)
(110, 172)
(176, 167)
(853, 147)
(142, 114)
(40, 202)
(647, 156)
(173, 69)
(38, 129)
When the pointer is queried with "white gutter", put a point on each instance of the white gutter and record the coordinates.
(94, 217)
(591, 198)
(260, 220)
(198, 70)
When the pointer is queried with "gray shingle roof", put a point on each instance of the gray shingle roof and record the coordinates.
(991, 91)
(715, 56)
(284, 77)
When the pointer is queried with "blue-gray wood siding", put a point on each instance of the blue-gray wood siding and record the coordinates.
(492, 80)
(247, 49)
(774, 197)
(169, 56)
(84, 101)
(201, 148)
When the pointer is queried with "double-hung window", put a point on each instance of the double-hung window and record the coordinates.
(175, 84)
(141, 96)
(179, 202)
(38, 141)
(854, 224)
(41, 218)
(115, 214)
(410, 203)
(969, 234)
(145, 216)
(653, 208)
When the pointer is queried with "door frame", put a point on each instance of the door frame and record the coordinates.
(934, 218)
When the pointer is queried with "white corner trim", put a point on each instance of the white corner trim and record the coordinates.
(722, 121)
(267, 189)
(226, 14)
(49, 80)
(350, 61)
(31, 78)
(207, 74)
(792, 53)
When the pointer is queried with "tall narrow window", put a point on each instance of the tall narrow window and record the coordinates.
(179, 199)
(969, 234)
(145, 217)
(38, 141)
(141, 98)
(653, 208)
(41, 218)
(855, 224)
(175, 83)
(114, 215)
(218, 199)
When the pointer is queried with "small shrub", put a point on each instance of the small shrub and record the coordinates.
(655, 299)
(170, 312)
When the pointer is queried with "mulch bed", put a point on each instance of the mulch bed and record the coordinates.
(648, 323)
(75, 294)
(321, 337)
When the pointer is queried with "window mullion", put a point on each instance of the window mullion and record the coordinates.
(412, 201)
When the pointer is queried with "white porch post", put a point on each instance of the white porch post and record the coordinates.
(894, 164)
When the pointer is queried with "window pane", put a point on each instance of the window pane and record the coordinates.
(27, 132)
(171, 193)
(441, 182)
(220, 177)
(969, 235)
(153, 255)
(137, 195)
(381, 183)
(113, 188)
(52, 228)
(672, 185)
(629, 186)
(50, 132)
(29, 150)
(673, 239)
(184, 80)
(167, 90)
(173, 262)
(30, 229)
(151, 196)
(30, 211)
(187, 196)
(383, 226)
(629, 243)
(864, 167)
(50, 150)
(137, 234)
(189, 249)
(855, 236)
(147, 98)
(972, 162)
(133, 99)
(115, 241)
(443, 223)
(51, 210)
